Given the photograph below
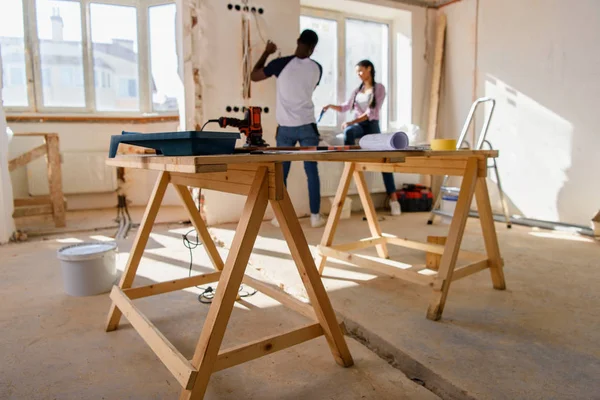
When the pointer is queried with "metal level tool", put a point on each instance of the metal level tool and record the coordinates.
(481, 141)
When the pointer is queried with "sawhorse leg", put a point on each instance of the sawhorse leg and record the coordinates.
(207, 349)
(141, 239)
(441, 285)
(336, 212)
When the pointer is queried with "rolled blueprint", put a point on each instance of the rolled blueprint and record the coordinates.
(384, 141)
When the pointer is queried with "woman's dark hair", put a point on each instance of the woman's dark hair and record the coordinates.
(367, 64)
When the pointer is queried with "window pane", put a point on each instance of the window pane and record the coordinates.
(12, 51)
(368, 40)
(61, 57)
(165, 81)
(115, 51)
(325, 54)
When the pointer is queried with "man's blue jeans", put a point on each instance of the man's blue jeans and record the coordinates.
(306, 135)
(354, 132)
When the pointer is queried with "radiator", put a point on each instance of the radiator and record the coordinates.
(82, 172)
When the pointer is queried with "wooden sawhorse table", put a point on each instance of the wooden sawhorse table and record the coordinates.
(472, 167)
(260, 178)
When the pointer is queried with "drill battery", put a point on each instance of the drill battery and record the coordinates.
(415, 198)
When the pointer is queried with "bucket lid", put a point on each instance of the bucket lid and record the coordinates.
(85, 251)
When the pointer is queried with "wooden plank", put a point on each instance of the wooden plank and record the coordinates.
(278, 294)
(33, 134)
(443, 280)
(408, 275)
(160, 163)
(189, 164)
(89, 119)
(486, 219)
(262, 347)
(418, 170)
(139, 244)
(176, 363)
(367, 203)
(294, 236)
(429, 247)
(28, 157)
(432, 260)
(236, 182)
(55, 181)
(220, 186)
(336, 211)
(434, 96)
(361, 244)
(31, 211)
(213, 331)
(32, 201)
(200, 226)
(170, 286)
(470, 269)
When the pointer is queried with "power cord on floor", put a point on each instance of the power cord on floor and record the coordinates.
(208, 293)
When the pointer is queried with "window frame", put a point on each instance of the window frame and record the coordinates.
(340, 18)
(33, 66)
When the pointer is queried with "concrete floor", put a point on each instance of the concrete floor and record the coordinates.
(54, 346)
(539, 339)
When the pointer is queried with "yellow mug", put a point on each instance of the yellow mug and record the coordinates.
(443, 144)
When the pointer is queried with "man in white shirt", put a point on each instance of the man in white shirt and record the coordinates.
(297, 78)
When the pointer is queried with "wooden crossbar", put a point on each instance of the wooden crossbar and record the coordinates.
(386, 268)
(429, 247)
(285, 299)
(259, 348)
(175, 362)
(361, 244)
(470, 269)
(28, 157)
(170, 286)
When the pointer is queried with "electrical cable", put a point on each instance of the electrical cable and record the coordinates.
(208, 293)
(208, 122)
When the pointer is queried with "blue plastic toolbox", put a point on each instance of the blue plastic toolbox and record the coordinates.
(187, 143)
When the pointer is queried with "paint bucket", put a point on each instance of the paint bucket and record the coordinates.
(88, 268)
(448, 206)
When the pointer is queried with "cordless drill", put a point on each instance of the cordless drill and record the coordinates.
(249, 126)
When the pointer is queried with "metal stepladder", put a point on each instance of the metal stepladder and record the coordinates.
(481, 141)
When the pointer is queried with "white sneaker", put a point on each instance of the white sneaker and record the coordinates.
(395, 206)
(274, 222)
(316, 221)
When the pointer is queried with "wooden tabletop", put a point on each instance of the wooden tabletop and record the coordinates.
(194, 164)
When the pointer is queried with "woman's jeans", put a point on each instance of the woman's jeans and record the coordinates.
(307, 135)
(354, 132)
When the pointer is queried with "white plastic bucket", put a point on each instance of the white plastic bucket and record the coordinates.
(448, 206)
(346, 210)
(88, 268)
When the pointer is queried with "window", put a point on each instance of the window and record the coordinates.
(127, 88)
(17, 77)
(326, 55)
(343, 42)
(47, 77)
(60, 45)
(112, 56)
(115, 48)
(165, 81)
(12, 50)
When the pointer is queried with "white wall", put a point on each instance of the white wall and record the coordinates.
(222, 82)
(540, 61)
